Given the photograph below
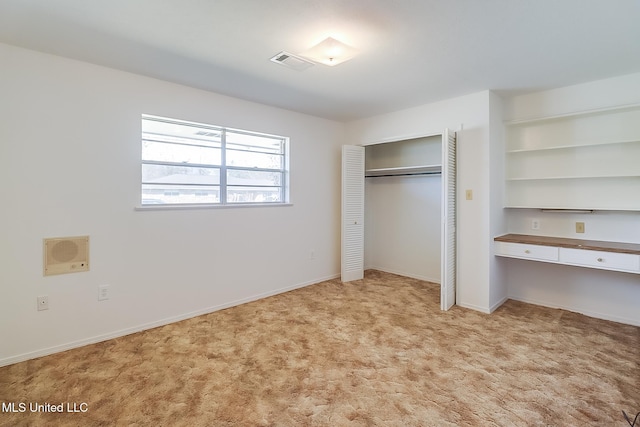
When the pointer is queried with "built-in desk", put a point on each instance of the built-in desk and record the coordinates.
(614, 256)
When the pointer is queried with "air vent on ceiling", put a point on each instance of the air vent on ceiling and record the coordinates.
(291, 61)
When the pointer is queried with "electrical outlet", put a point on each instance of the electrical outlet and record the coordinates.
(43, 303)
(579, 227)
(535, 224)
(103, 292)
(469, 194)
(312, 254)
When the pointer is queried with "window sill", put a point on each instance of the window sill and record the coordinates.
(208, 206)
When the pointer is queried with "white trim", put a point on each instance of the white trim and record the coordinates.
(474, 307)
(400, 138)
(171, 207)
(497, 305)
(145, 326)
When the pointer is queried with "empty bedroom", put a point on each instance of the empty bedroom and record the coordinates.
(320, 213)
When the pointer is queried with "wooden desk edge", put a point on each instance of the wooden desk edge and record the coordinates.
(563, 242)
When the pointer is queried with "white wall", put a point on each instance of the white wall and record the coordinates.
(70, 150)
(607, 295)
(69, 141)
(402, 225)
(475, 259)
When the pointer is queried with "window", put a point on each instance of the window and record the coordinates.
(193, 163)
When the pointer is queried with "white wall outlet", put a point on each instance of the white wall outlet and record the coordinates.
(535, 224)
(312, 254)
(43, 302)
(103, 292)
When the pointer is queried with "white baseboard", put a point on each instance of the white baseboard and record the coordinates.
(595, 314)
(484, 310)
(495, 306)
(139, 328)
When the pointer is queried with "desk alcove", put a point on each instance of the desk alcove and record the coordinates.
(398, 210)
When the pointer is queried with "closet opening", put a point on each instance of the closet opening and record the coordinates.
(399, 210)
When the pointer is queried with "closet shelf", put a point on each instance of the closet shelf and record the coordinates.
(405, 170)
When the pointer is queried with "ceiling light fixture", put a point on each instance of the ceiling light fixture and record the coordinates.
(330, 52)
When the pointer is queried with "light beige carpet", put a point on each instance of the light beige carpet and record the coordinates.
(376, 352)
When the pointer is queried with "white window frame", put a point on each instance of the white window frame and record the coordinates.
(223, 168)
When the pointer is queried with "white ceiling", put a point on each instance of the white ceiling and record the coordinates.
(411, 51)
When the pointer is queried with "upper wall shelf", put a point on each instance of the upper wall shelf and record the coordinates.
(576, 161)
(575, 146)
(584, 113)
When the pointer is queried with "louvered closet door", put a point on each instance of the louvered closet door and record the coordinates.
(448, 218)
(352, 213)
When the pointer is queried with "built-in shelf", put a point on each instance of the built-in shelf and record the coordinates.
(573, 210)
(615, 256)
(574, 146)
(575, 161)
(573, 177)
(584, 113)
(404, 170)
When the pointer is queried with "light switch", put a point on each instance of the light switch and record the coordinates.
(469, 194)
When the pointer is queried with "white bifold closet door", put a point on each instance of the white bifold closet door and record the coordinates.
(352, 235)
(448, 222)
